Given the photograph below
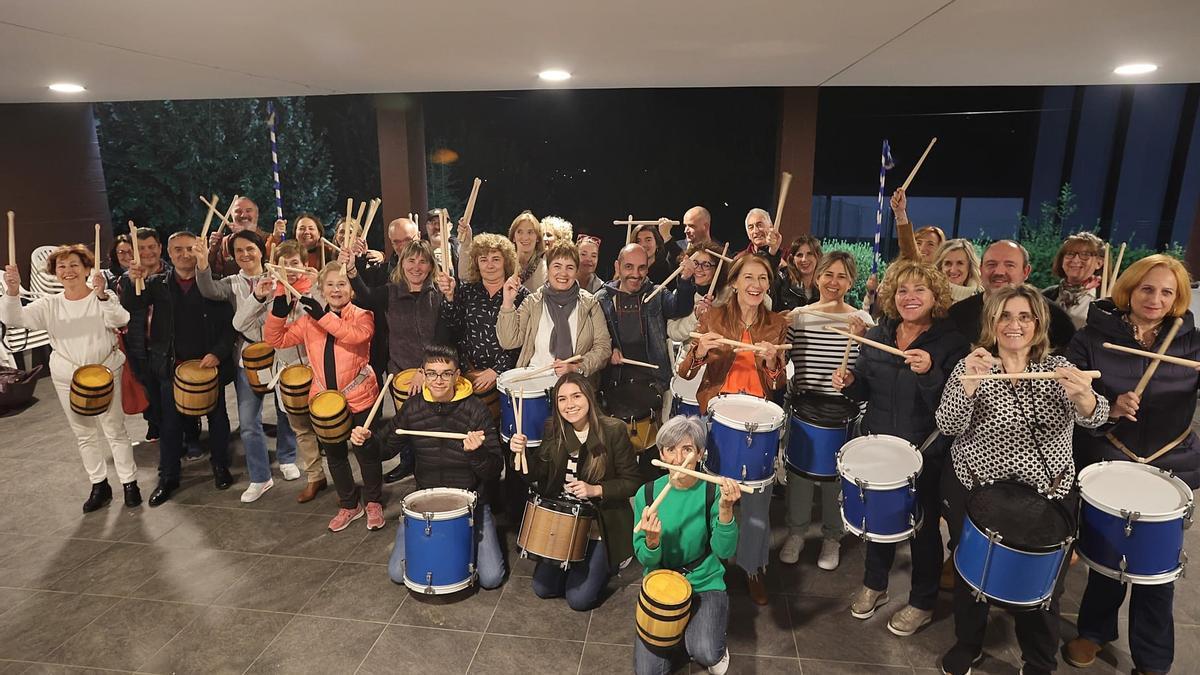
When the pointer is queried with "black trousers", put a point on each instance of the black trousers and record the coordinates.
(1151, 620)
(926, 547)
(369, 463)
(1037, 630)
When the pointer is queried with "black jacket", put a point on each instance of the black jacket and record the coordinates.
(967, 315)
(1168, 402)
(899, 401)
(424, 317)
(151, 337)
(789, 296)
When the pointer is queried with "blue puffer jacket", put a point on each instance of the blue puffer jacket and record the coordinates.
(1167, 405)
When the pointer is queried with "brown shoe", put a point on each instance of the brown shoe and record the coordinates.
(758, 589)
(1081, 652)
(310, 491)
(946, 582)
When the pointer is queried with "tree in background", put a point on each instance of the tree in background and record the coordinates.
(445, 189)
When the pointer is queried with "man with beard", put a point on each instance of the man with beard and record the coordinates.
(244, 217)
(1006, 263)
(433, 234)
(639, 332)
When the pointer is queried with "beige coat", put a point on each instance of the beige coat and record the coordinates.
(519, 327)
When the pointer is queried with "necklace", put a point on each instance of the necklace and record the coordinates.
(1145, 337)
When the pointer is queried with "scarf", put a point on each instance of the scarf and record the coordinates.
(1070, 295)
(530, 267)
(560, 304)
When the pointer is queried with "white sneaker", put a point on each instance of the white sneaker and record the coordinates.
(792, 546)
(721, 666)
(831, 554)
(290, 471)
(256, 490)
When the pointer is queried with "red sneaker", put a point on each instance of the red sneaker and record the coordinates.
(375, 516)
(344, 517)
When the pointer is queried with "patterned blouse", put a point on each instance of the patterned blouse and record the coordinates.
(1001, 428)
(473, 324)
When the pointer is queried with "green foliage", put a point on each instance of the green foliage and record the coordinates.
(445, 189)
(158, 156)
(862, 252)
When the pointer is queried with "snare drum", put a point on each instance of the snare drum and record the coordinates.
(683, 392)
(439, 540)
(820, 425)
(1131, 521)
(1014, 543)
(743, 439)
(638, 404)
(555, 530)
(879, 488)
(536, 404)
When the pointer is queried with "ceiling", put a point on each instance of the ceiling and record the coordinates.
(155, 49)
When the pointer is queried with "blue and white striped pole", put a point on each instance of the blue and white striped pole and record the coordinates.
(274, 159)
(885, 163)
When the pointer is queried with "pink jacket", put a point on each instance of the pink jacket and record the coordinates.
(351, 349)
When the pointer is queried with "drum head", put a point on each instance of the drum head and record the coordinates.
(192, 371)
(563, 505)
(257, 350)
(737, 410)
(443, 503)
(295, 374)
(879, 461)
(327, 403)
(823, 410)
(667, 587)
(1026, 519)
(686, 390)
(1150, 491)
(93, 376)
(533, 387)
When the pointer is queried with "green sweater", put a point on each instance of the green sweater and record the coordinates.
(682, 539)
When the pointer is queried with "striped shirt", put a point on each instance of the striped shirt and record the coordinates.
(817, 352)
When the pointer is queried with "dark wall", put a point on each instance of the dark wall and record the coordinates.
(50, 175)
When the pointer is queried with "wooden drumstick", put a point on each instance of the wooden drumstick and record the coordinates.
(448, 264)
(717, 275)
(1142, 383)
(1116, 270)
(845, 368)
(631, 362)
(370, 217)
(96, 266)
(228, 214)
(548, 367)
(672, 223)
(378, 401)
(293, 270)
(785, 182)
(331, 245)
(1104, 275)
(1093, 374)
(212, 211)
(519, 461)
(715, 480)
(470, 210)
(137, 257)
(1153, 355)
(283, 280)
(913, 173)
(741, 345)
(433, 434)
(662, 494)
(12, 239)
(869, 342)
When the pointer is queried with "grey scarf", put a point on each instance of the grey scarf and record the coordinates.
(560, 304)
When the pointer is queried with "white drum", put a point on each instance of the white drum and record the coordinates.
(536, 405)
(879, 487)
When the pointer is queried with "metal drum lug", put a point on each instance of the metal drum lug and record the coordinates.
(429, 583)
(1122, 566)
(1187, 515)
(1130, 518)
(743, 473)
(428, 528)
(862, 490)
(863, 534)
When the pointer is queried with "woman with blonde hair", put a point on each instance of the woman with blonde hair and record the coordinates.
(526, 235)
(1077, 262)
(1145, 301)
(476, 306)
(958, 260)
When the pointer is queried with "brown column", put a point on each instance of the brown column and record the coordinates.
(797, 149)
(401, 130)
(51, 177)
(1192, 255)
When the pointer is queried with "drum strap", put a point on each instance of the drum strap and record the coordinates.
(710, 498)
(1147, 460)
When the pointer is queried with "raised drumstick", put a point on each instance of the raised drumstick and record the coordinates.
(228, 214)
(1104, 274)
(1142, 383)
(470, 210)
(137, 257)
(662, 494)
(717, 275)
(548, 367)
(1153, 355)
(785, 182)
(869, 342)
(432, 434)
(12, 239)
(378, 400)
(1116, 270)
(913, 173)
(96, 266)
(370, 217)
(715, 480)
(658, 289)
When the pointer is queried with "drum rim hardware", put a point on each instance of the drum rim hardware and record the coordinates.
(1185, 510)
(430, 517)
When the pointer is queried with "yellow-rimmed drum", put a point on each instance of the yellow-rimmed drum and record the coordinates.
(663, 608)
(195, 388)
(399, 387)
(91, 390)
(294, 383)
(257, 359)
(330, 416)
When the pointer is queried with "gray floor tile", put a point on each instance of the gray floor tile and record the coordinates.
(202, 528)
(43, 622)
(602, 659)
(520, 612)
(318, 646)
(811, 667)
(824, 630)
(126, 635)
(194, 576)
(117, 523)
(357, 591)
(37, 562)
(405, 650)
(759, 630)
(277, 584)
(503, 655)
(219, 640)
(376, 548)
(470, 611)
(309, 537)
(54, 669)
(116, 571)
(11, 597)
(613, 621)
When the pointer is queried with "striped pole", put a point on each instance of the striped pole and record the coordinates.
(885, 163)
(274, 159)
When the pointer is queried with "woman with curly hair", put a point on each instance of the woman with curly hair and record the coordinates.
(526, 235)
(476, 305)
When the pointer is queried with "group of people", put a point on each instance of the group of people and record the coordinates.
(441, 333)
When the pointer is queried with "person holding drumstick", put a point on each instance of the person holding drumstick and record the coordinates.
(690, 534)
(81, 322)
(1144, 419)
(586, 456)
(1012, 429)
(901, 396)
(754, 372)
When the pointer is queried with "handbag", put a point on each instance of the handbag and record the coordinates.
(133, 395)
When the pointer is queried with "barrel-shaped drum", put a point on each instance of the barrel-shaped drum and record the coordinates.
(91, 390)
(258, 359)
(294, 383)
(330, 417)
(399, 387)
(663, 609)
(195, 388)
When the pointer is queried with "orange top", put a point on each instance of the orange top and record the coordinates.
(743, 374)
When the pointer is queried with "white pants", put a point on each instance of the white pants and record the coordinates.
(88, 429)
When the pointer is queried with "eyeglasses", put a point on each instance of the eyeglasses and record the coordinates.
(1082, 255)
(447, 375)
(704, 265)
(1023, 318)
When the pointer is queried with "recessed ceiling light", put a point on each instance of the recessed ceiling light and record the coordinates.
(1135, 69)
(554, 75)
(67, 88)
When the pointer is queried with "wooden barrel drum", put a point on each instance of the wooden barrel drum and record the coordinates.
(257, 359)
(294, 383)
(330, 416)
(195, 388)
(664, 607)
(91, 390)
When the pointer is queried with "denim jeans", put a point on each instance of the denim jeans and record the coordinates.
(254, 441)
(1151, 625)
(703, 639)
(489, 559)
(581, 583)
(754, 533)
(171, 445)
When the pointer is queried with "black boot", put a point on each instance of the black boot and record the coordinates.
(222, 479)
(101, 495)
(403, 470)
(133, 496)
(163, 492)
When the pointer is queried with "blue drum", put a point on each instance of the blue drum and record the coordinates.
(535, 394)
(879, 488)
(1014, 543)
(1131, 522)
(743, 439)
(820, 426)
(683, 395)
(439, 540)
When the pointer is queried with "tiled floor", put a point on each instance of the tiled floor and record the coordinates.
(205, 584)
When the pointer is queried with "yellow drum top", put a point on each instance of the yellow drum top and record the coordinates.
(327, 403)
(257, 350)
(667, 586)
(93, 376)
(192, 371)
(296, 375)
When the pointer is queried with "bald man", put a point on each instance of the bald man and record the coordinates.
(697, 228)
(400, 232)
